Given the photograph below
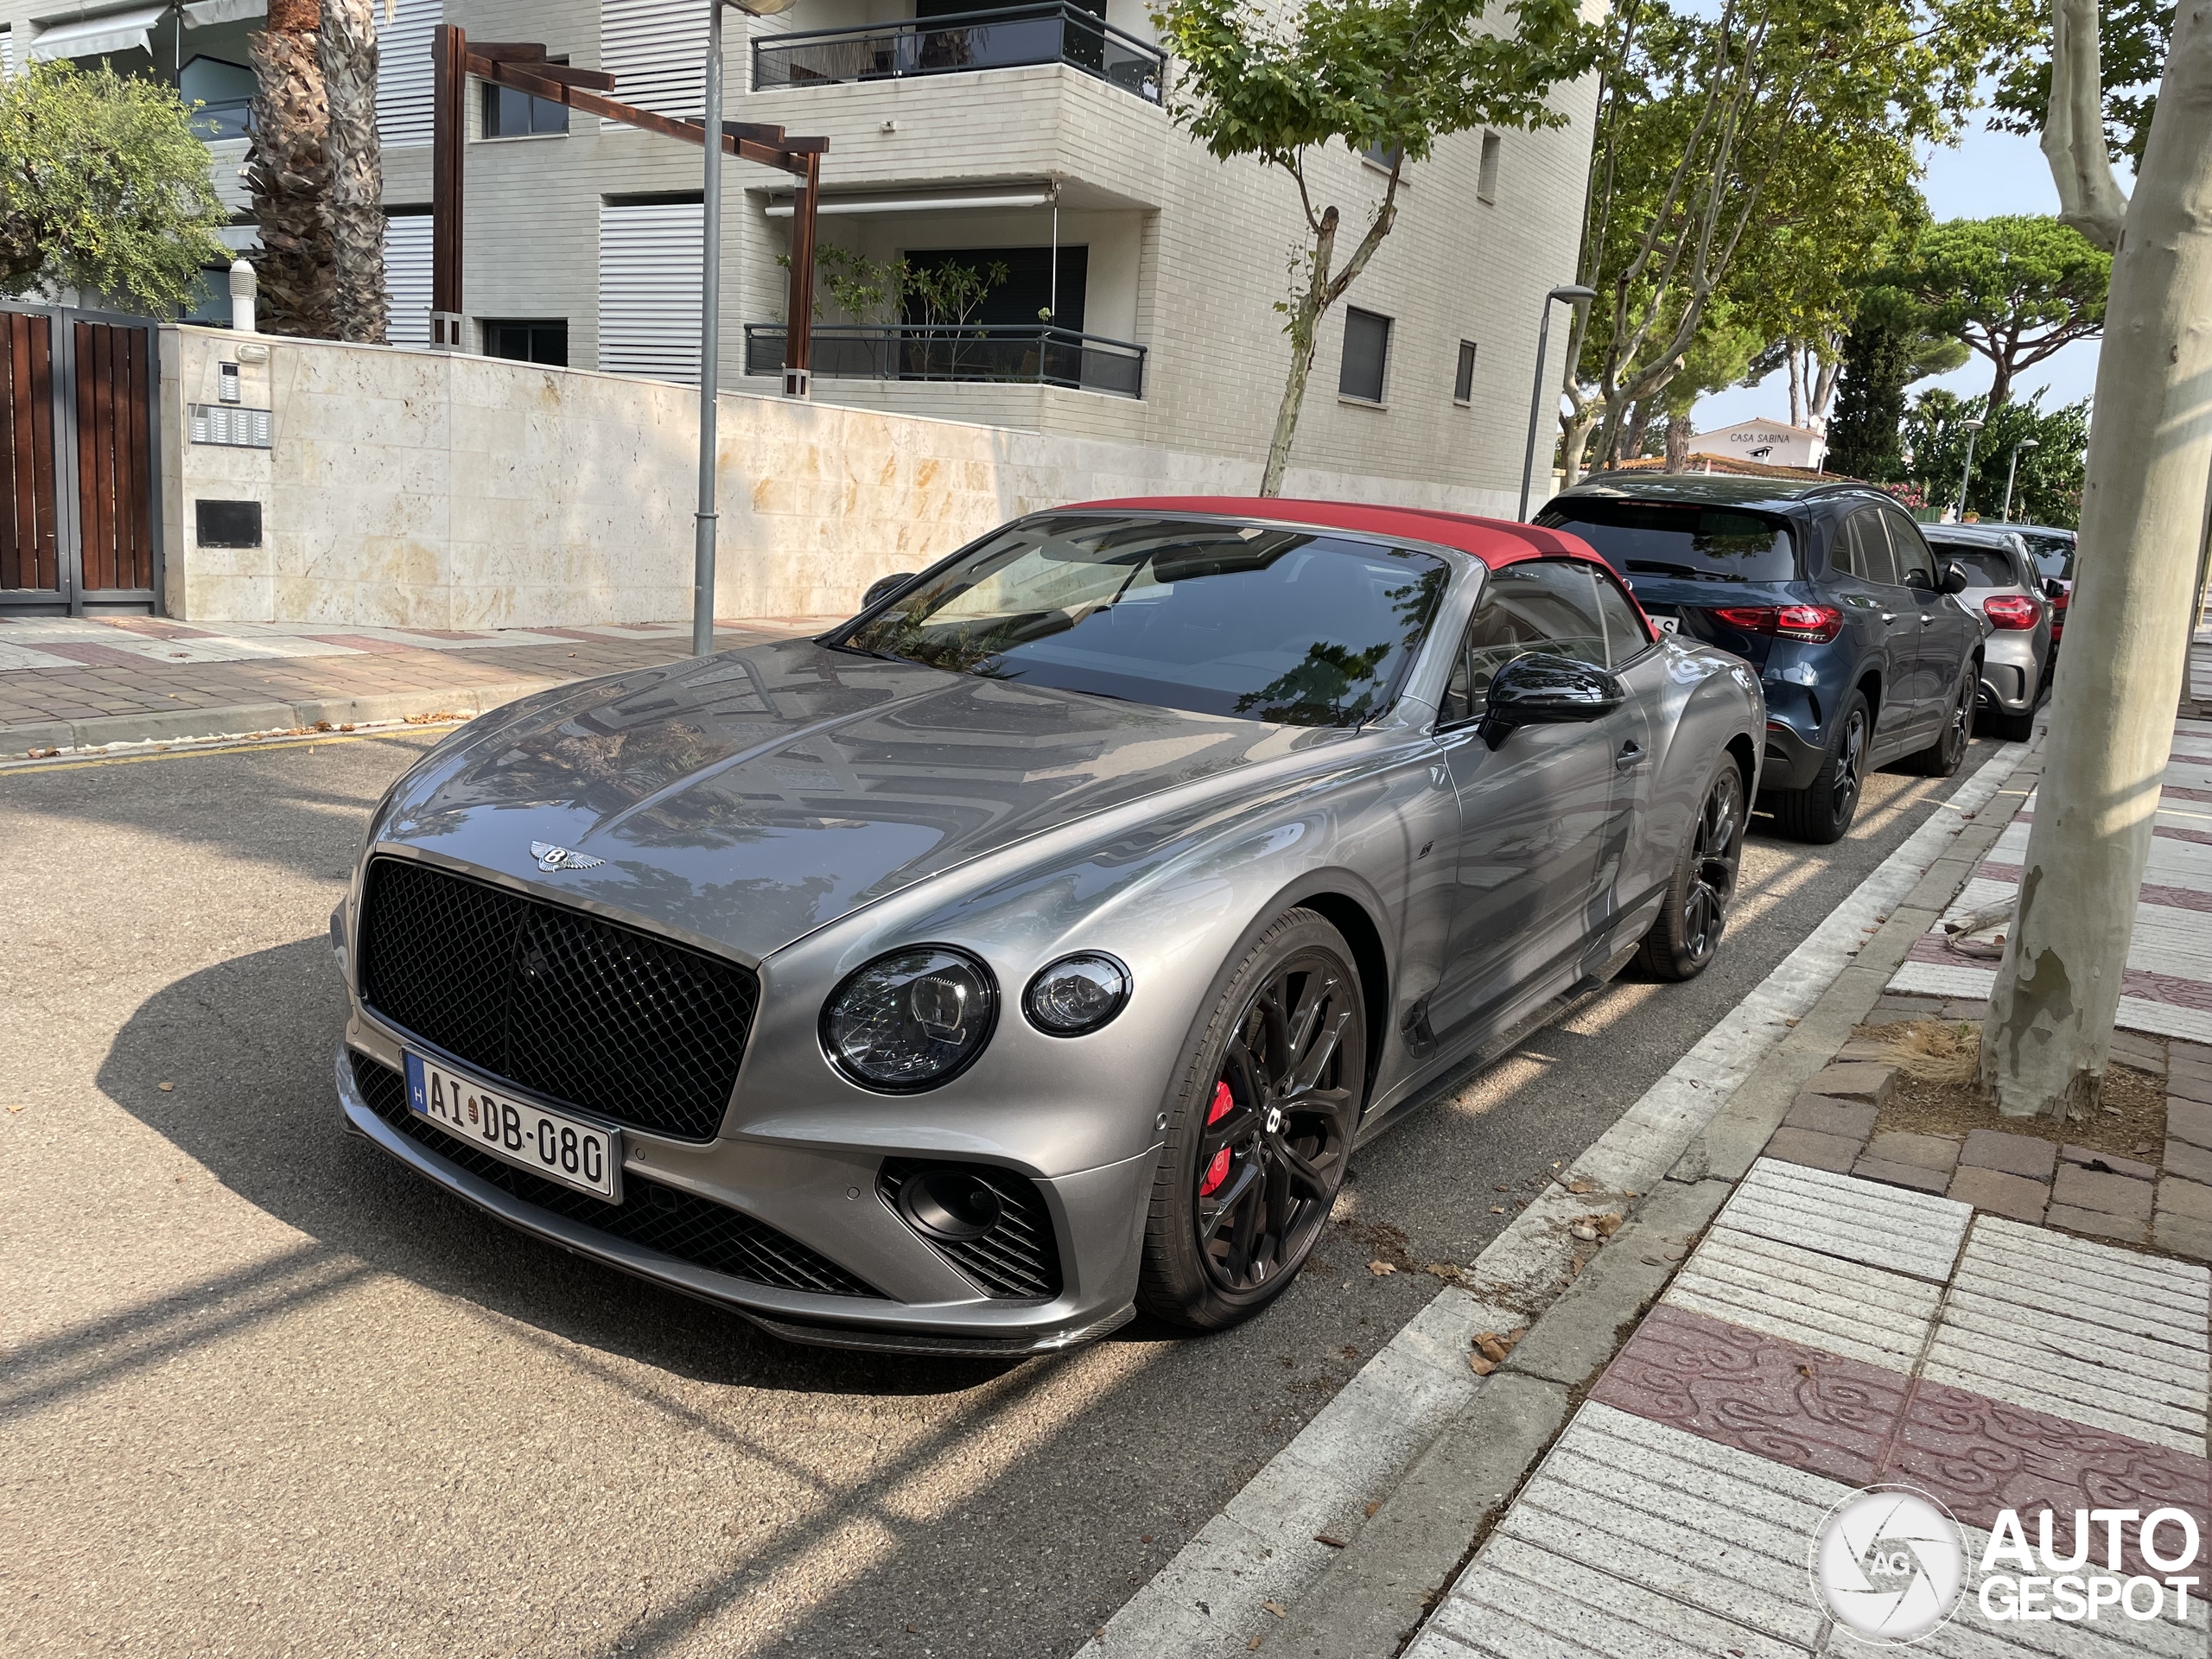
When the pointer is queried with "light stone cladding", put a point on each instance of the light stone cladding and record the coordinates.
(448, 490)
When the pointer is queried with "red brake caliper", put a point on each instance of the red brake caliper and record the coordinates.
(1218, 1170)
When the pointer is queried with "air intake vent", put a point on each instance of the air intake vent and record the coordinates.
(1015, 1257)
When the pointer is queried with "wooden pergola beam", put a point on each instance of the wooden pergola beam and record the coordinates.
(523, 66)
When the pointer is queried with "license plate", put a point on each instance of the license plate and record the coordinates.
(1668, 624)
(560, 1147)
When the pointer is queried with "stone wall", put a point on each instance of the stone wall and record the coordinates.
(439, 491)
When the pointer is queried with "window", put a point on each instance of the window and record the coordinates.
(1463, 384)
(527, 341)
(1626, 636)
(1486, 181)
(1367, 352)
(224, 91)
(1543, 605)
(1915, 564)
(649, 287)
(1862, 551)
(1383, 155)
(1665, 538)
(511, 114)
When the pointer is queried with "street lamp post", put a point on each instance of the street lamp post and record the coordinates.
(1971, 430)
(710, 322)
(2010, 469)
(1577, 295)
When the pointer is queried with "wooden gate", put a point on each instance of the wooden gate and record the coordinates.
(80, 513)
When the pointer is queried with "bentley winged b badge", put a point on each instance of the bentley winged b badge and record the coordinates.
(550, 857)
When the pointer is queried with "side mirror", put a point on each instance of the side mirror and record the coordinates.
(1540, 689)
(2053, 588)
(884, 586)
(1955, 579)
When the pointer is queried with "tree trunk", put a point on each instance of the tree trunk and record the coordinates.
(348, 40)
(1574, 445)
(1678, 442)
(1796, 386)
(289, 177)
(1305, 326)
(2000, 387)
(1639, 429)
(2049, 1028)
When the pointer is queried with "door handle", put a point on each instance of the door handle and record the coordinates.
(1629, 758)
(1889, 616)
(1926, 621)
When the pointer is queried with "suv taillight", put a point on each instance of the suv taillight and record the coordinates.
(1818, 623)
(2011, 611)
(2058, 614)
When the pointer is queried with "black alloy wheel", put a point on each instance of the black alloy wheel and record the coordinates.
(1941, 757)
(1822, 811)
(1685, 937)
(1258, 1150)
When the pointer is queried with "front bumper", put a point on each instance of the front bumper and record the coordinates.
(1097, 1215)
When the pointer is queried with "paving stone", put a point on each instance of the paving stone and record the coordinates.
(2190, 1120)
(1972, 1010)
(2190, 1163)
(1808, 1147)
(1856, 1221)
(2094, 1220)
(1802, 1296)
(1939, 1151)
(1828, 1116)
(1856, 1080)
(2183, 1234)
(2189, 1082)
(2000, 1191)
(1890, 1009)
(1873, 1049)
(2191, 1198)
(2143, 1052)
(2108, 1162)
(2026, 1155)
(1912, 1176)
(2123, 1196)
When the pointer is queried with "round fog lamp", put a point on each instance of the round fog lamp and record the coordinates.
(949, 1204)
(1076, 994)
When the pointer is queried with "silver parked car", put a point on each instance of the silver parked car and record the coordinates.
(1038, 944)
(2004, 586)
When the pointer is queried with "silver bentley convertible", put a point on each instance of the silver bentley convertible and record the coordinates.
(1038, 946)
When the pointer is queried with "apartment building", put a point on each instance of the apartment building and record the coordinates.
(1135, 276)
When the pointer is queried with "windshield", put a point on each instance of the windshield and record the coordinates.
(1283, 626)
(1985, 566)
(1665, 538)
(2054, 555)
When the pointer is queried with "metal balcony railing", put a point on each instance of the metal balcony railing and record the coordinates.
(1031, 353)
(1061, 31)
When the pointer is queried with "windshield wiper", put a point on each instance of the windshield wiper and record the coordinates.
(1659, 567)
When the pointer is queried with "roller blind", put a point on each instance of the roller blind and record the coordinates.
(656, 53)
(649, 289)
(407, 277)
(403, 73)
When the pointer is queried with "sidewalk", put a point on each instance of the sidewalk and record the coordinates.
(69, 683)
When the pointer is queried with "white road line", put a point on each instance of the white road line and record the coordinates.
(1208, 1600)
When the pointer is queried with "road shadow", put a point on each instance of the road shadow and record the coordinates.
(243, 1049)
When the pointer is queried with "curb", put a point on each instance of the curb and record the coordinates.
(1445, 1449)
(251, 719)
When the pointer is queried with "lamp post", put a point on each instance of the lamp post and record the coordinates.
(1971, 429)
(710, 322)
(2010, 469)
(1577, 295)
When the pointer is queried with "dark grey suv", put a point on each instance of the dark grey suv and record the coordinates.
(1830, 591)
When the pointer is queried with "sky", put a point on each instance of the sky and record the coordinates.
(1985, 174)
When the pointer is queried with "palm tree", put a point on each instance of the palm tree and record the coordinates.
(356, 167)
(290, 177)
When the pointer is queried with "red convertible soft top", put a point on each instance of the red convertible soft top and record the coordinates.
(1494, 541)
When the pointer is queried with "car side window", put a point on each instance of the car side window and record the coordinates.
(1865, 548)
(1626, 635)
(1915, 563)
(1543, 605)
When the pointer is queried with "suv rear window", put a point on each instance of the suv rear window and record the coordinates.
(1667, 538)
(1990, 567)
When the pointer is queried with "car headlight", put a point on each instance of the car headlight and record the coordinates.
(1076, 994)
(910, 1019)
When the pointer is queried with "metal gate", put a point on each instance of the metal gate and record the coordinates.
(80, 505)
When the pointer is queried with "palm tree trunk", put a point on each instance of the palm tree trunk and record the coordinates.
(288, 177)
(348, 40)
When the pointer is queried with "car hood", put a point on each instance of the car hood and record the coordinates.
(747, 798)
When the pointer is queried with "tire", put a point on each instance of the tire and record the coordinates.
(1683, 941)
(1941, 757)
(1260, 1134)
(2013, 729)
(1822, 811)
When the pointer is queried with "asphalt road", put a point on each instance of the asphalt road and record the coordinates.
(264, 1392)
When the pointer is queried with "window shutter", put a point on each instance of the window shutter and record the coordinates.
(407, 277)
(649, 289)
(404, 74)
(656, 53)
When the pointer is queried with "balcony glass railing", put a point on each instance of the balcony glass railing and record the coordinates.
(1061, 32)
(1019, 353)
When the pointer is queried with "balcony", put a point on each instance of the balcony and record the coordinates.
(1030, 353)
(1062, 31)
